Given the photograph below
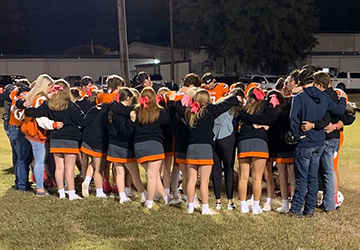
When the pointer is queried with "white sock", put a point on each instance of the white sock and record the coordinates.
(143, 194)
(256, 205)
(122, 196)
(87, 180)
(72, 194)
(286, 203)
(252, 197)
(127, 190)
(149, 204)
(269, 201)
(99, 192)
(166, 199)
(191, 206)
(61, 193)
(244, 205)
(205, 208)
(167, 191)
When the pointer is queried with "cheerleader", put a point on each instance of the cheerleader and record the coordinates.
(149, 149)
(252, 145)
(64, 143)
(121, 144)
(200, 116)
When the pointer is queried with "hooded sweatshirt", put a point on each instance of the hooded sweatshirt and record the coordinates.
(311, 105)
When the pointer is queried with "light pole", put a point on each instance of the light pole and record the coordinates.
(172, 67)
(124, 53)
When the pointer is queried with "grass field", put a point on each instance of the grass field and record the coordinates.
(30, 222)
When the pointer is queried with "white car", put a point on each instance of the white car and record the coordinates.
(267, 82)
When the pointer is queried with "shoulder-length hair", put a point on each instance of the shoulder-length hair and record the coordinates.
(201, 96)
(60, 100)
(40, 87)
(151, 113)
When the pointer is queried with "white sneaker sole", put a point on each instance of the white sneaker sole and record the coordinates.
(84, 190)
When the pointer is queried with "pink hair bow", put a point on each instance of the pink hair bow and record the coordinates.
(143, 101)
(186, 101)
(56, 88)
(194, 107)
(274, 100)
(159, 98)
(117, 98)
(259, 94)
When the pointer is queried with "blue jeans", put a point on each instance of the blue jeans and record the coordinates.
(23, 157)
(326, 173)
(39, 151)
(306, 164)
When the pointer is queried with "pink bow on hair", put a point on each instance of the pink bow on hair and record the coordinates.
(259, 94)
(56, 88)
(159, 98)
(274, 100)
(186, 101)
(194, 107)
(117, 98)
(143, 101)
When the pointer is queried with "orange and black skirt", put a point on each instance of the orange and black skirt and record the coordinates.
(284, 157)
(119, 154)
(90, 151)
(149, 151)
(253, 148)
(63, 146)
(199, 154)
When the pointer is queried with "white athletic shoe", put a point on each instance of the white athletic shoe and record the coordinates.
(85, 189)
(218, 206)
(129, 195)
(196, 202)
(77, 197)
(209, 212)
(104, 196)
(157, 197)
(282, 210)
(245, 210)
(175, 202)
(143, 199)
(148, 206)
(250, 202)
(127, 200)
(257, 211)
(190, 211)
(267, 207)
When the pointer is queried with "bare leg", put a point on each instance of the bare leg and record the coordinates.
(270, 186)
(167, 168)
(191, 184)
(282, 168)
(291, 177)
(184, 171)
(120, 177)
(205, 172)
(135, 176)
(257, 172)
(59, 170)
(69, 170)
(153, 177)
(97, 172)
(244, 170)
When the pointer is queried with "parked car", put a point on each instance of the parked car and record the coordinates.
(73, 80)
(267, 82)
(347, 81)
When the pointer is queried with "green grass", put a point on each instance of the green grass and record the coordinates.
(30, 222)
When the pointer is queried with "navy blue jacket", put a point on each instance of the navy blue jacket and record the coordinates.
(311, 105)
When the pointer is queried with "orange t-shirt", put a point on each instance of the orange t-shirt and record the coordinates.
(178, 96)
(105, 97)
(13, 121)
(220, 90)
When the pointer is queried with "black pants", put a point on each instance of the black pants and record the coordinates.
(224, 156)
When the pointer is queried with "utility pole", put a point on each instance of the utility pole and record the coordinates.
(124, 53)
(172, 67)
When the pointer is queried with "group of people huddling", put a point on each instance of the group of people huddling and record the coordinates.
(198, 130)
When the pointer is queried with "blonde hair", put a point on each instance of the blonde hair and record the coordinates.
(152, 112)
(40, 87)
(136, 96)
(191, 91)
(252, 104)
(201, 96)
(60, 100)
(163, 90)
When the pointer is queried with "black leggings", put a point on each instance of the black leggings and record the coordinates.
(224, 156)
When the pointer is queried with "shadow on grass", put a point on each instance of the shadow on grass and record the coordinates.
(8, 171)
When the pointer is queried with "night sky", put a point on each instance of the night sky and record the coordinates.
(53, 26)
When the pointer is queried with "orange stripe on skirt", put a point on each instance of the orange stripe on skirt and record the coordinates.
(151, 158)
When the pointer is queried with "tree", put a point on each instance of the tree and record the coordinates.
(265, 34)
(11, 30)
